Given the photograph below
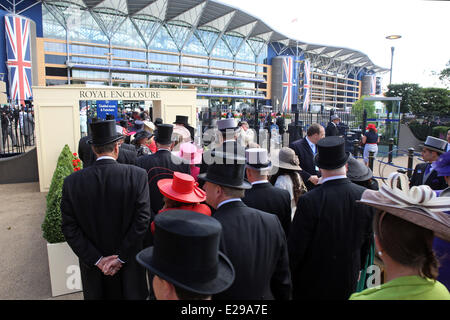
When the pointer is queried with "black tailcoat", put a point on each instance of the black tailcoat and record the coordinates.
(106, 211)
(85, 152)
(306, 157)
(255, 243)
(266, 197)
(159, 165)
(126, 155)
(435, 182)
(328, 241)
(331, 130)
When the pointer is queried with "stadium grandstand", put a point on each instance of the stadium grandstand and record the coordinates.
(232, 58)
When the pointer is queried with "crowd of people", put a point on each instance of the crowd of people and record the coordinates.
(17, 123)
(154, 215)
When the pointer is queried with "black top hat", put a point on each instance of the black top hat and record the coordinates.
(227, 174)
(142, 134)
(104, 132)
(182, 120)
(331, 153)
(138, 126)
(186, 252)
(164, 134)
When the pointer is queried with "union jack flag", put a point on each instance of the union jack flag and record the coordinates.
(306, 85)
(19, 57)
(287, 83)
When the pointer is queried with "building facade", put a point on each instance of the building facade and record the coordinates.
(232, 58)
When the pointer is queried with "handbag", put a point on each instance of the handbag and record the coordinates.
(361, 285)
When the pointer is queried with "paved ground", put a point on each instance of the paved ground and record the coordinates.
(24, 272)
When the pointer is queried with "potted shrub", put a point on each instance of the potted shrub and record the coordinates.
(63, 263)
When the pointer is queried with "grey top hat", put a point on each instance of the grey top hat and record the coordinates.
(435, 144)
(225, 124)
(335, 117)
(357, 171)
(258, 159)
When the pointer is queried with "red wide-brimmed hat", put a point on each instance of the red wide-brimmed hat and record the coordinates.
(371, 126)
(182, 188)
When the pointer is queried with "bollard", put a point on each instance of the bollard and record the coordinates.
(371, 158)
(391, 147)
(410, 161)
(355, 148)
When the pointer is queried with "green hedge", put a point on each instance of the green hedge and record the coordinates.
(421, 131)
(440, 132)
(51, 226)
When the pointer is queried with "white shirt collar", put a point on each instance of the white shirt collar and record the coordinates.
(105, 157)
(333, 178)
(226, 201)
(260, 182)
(164, 149)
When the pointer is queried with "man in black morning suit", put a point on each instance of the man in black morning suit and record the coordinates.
(305, 149)
(332, 127)
(263, 195)
(330, 233)
(127, 153)
(253, 240)
(424, 172)
(160, 165)
(105, 215)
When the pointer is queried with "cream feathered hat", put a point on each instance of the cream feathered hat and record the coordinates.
(418, 205)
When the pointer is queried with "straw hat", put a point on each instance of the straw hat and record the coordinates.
(286, 158)
(418, 205)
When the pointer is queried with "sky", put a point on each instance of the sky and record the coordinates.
(362, 25)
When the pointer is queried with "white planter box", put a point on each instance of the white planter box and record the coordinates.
(65, 276)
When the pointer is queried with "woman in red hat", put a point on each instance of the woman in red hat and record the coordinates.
(182, 193)
(370, 141)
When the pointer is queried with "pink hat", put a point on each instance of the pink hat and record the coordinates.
(191, 153)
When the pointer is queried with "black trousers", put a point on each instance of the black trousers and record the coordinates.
(129, 283)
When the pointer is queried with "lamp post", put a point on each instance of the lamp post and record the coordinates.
(109, 56)
(392, 37)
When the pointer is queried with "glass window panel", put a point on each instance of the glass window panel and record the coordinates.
(88, 30)
(179, 31)
(54, 47)
(222, 51)
(50, 58)
(194, 61)
(233, 42)
(208, 37)
(195, 46)
(246, 53)
(163, 41)
(127, 36)
(51, 27)
(147, 26)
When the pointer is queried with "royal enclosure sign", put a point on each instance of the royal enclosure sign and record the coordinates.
(118, 94)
